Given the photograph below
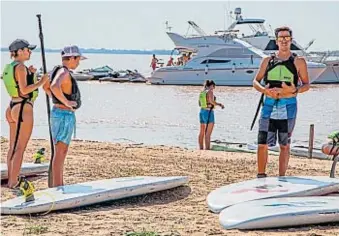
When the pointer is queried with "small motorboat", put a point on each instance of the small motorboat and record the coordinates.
(124, 76)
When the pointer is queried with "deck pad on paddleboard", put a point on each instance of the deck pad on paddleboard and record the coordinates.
(269, 187)
(27, 169)
(281, 212)
(82, 194)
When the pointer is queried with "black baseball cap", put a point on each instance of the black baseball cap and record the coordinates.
(20, 44)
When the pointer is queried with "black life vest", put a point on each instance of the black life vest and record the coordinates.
(74, 96)
(279, 71)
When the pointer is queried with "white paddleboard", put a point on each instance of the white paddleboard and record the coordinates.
(239, 148)
(280, 212)
(296, 151)
(270, 187)
(252, 148)
(82, 194)
(27, 169)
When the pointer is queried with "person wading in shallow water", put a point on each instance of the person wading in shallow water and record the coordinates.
(154, 62)
(207, 102)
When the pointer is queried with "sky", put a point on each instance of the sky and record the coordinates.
(141, 25)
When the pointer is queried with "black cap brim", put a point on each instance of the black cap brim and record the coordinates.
(32, 47)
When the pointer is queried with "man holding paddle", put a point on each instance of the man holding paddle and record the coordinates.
(282, 73)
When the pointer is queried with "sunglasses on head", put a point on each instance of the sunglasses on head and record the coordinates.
(282, 38)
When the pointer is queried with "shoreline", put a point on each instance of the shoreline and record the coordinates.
(180, 211)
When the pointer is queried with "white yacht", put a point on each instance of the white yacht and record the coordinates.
(258, 37)
(331, 74)
(233, 63)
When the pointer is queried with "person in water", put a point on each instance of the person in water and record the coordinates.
(207, 103)
(66, 98)
(154, 62)
(22, 86)
(332, 146)
(282, 73)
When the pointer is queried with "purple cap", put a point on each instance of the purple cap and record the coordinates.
(72, 51)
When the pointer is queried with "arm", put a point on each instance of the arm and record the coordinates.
(20, 75)
(47, 88)
(260, 75)
(61, 78)
(303, 75)
(210, 99)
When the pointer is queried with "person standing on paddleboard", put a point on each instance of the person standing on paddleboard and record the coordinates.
(285, 75)
(207, 102)
(66, 98)
(22, 86)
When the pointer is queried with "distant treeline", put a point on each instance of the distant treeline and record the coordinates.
(109, 51)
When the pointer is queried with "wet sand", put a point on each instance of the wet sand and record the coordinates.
(180, 211)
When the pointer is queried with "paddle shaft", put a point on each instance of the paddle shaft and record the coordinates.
(335, 160)
(44, 68)
(258, 108)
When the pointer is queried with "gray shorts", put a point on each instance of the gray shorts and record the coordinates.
(270, 129)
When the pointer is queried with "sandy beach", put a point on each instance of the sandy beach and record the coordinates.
(180, 211)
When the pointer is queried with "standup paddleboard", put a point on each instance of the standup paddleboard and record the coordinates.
(280, 212)
(82, 194)
(270, 187)
(242, 148)
(252, 148)
(296, 151)
(27, 169)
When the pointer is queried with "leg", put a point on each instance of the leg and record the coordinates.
(285, 129)
(62, 123)
(330, 149)
(202, 136)
(203, 121)
(23, 138)
(12, 130)
(284, 157)
(262, 156)
(209, 128)
(208, 136)
(266, 136)
(58, 163)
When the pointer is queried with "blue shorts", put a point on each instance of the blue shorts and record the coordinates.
(206, 115)
(62, 125)
(278, 118)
